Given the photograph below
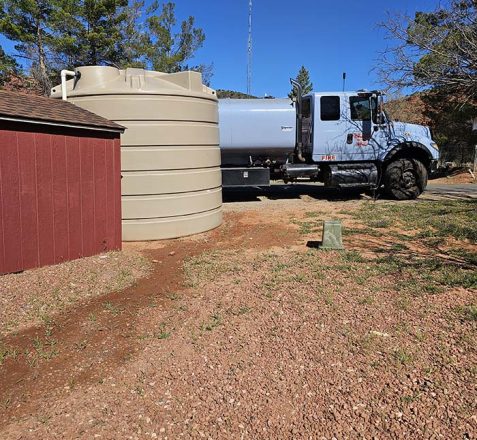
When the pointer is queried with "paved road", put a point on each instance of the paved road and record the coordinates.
(464, 191)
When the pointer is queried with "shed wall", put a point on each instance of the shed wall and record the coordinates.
(60, 195)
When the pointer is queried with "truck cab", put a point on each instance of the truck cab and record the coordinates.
(343, 139)
(353, 127)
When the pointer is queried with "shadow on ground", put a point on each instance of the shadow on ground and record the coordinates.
(319, 192)
(314, 244)
(283, 192)
(453, 192)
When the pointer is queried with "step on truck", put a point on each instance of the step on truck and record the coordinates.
(344, 139)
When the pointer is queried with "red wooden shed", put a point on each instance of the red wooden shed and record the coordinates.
(60, 182)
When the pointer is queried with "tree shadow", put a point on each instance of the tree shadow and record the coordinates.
(459, 192)
(418, 255)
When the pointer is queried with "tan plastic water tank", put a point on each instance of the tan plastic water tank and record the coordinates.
(171, 185)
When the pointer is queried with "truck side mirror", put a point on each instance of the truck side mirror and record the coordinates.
(379, 115)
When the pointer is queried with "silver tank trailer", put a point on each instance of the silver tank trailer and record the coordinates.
(256, 130)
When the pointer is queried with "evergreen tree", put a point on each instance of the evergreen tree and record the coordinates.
(100, 40)
(91, 32)
(8, 66)
(163, 50)
(58, 34)
(26, 22)
(303, 78)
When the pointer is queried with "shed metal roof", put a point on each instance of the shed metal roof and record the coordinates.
(39, 109)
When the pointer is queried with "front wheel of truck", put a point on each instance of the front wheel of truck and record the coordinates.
(405, 179)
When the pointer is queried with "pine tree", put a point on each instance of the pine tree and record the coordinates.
(164, 50)
(90, 32)
(100, 38)
(124, 34)
(26, 23)
(303, 79)
(58, 34)
(8, 66)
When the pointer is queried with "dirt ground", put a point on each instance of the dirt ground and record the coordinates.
(250, 331)
(457, 178)
(33, 297)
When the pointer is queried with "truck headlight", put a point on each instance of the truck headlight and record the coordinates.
(434, 145)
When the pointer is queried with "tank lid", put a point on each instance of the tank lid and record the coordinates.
(105, 80)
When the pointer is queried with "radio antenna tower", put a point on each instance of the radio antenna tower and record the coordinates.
(249, 54)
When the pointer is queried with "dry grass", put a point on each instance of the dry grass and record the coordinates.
(400, 309)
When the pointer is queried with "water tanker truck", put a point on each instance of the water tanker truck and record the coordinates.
(344, 140)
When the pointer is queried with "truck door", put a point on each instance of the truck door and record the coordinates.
(364, 138)
(330, 128)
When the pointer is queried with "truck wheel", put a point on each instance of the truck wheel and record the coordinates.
(405, 179)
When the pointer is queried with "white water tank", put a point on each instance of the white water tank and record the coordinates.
(170, 156)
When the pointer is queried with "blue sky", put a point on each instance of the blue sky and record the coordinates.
(328, 37)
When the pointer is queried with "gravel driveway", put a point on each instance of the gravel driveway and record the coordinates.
(247, 333)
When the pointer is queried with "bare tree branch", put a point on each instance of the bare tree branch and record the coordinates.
(437, 49)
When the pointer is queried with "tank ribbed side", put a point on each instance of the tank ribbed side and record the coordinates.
(171, 179)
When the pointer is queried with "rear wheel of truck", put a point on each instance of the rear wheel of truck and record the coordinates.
(405, 179)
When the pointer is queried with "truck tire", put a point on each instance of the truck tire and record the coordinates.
(405, 179)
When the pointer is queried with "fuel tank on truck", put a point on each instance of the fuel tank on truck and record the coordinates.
(256, 130)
